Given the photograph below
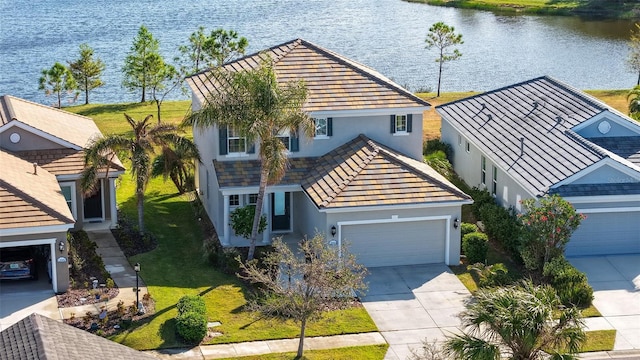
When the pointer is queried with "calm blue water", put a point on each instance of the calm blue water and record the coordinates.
(387, 35)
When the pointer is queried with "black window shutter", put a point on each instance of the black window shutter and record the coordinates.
(223, 140)
(393, 124)
(252, 149)
(295, 143)
(329, 126)
(409, 122)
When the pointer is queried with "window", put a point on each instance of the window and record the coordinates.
(483, 166)
(236, 143)
(252, 199)
(401, 123)
(494, 188)
(322, 128)
(286, 140)
(467, 146)
(68, 190)
(234, 200)
(460, 140)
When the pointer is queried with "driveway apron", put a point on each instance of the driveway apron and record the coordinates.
(412, 303)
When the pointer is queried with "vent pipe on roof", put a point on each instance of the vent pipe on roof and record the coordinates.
(521, 146)
(559, 119)
(35, 168)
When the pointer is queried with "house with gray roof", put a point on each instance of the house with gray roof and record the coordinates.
(42, 159)
(359, 179)
(542, 137)
(37, 337)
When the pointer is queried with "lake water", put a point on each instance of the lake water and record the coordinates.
(387, 35)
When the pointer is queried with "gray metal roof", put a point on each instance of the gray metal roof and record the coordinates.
(526, 130)
(571, 190)
(39, 337)
(627, 147)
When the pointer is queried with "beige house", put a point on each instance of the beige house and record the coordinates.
(42, 159)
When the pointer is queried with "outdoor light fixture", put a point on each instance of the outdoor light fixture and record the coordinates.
(61, 246)
(333, 231)
(136, 267)
(456, 223)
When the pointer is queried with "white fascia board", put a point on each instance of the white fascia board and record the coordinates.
(393, 219)
(36, 230)
(625, 122)
(609, 210)
(38, 132)
(28, 242)
(101, 175)
(624, 168)
(254, 189)
(368, 112)
(602, 199)
(396, 207)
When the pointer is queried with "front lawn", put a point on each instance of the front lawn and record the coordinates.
(371, 352)
(177, 266)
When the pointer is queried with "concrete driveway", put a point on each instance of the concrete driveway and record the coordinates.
(616, 283)
(19, 298)
(411, 303)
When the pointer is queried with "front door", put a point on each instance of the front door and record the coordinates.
(93, 204)
(280, 211)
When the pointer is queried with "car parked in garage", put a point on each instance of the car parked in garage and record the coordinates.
(18, 263)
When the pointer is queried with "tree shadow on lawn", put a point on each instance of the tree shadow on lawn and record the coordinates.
(109, 108)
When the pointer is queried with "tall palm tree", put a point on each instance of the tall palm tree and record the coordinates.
(147, 139)
(517, 321)
(258, 107)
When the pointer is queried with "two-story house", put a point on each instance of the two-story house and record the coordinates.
(543, 137)
(41, 162)
(360, 179)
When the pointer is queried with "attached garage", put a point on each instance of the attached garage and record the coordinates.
(391, 242)
(606, 233)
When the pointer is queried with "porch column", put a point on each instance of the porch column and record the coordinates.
(112, 202)
(54, 265)
(266, 234)
(225, 220)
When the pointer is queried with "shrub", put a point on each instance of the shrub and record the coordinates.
(438, 161)
(467, 228)
(570, 283)
(475, 246)
(434, 145)
(502, 225)
(491, 275)
(191, 303)
(191, 326)
(480, 198)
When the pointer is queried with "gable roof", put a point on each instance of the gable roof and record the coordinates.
(39, 337)
(525, 129)
(333, 81)
(358, 173)
(60, 126)
(30, 198)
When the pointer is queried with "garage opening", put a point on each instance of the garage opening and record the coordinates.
(27, 267)
(392, 243)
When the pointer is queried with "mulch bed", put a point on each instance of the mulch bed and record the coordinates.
(114, 321)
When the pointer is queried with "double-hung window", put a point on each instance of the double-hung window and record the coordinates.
(285, 138)
(401, 124)
(483, 170)
(494, 187)
(322, 127)
(236, 143)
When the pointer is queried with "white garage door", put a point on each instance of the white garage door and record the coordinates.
(397, 243)
(606, 234)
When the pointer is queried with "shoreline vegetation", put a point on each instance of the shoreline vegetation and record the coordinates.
(595, 9)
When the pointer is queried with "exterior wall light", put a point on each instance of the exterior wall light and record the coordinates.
(333, 231)
(61, 246)
(456, 223)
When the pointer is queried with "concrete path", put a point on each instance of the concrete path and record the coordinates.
(413, 303)
(270, 346)
(616, 283)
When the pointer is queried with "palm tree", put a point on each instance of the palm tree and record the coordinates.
(519, 322)
(259, 108)
(634, 102)
(177, 163)
(139, 148)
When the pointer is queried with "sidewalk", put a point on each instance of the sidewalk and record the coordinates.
(269, 346)
(121, 271)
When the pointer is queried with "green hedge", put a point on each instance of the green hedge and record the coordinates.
(467, 228)
(570, 283)
(191, 322)
(475, 246)
(191, 303)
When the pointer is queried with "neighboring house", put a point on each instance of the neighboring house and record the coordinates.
(39, 337)
(544, 137)
(360, 179)
(41, 161)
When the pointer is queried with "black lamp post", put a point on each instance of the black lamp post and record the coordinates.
(136, 267)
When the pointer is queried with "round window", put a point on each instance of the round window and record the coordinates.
(604, 127)
(15, 138)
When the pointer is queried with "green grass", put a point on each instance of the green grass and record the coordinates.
(177, 266)
(592, 8)
(599, 340)
(372, 352)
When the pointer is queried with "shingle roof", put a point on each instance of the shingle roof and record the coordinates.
(28, 198)
(61, 161)
(627, 147)
(525, 129)
(39, 337)
(358, 173)
(333, 81)
(72, 128)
